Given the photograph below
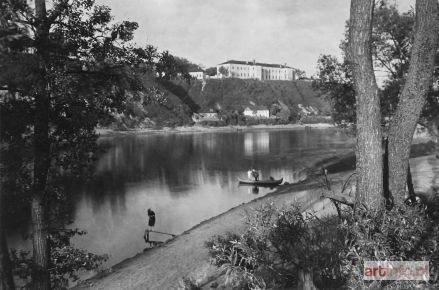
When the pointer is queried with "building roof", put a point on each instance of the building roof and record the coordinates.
(255, 63)
(256, 108)
(206, 110)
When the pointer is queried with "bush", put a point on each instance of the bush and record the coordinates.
(190, 284)
(67, 262)
(278, 247)
(405, 233)
(316, 120)
(231, 253)
(288, 248)
(207, 123)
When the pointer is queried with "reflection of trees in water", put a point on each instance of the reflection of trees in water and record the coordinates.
(173, 158)
(106, 187)
(179, 161)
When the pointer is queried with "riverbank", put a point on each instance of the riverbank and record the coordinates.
(186, 256)
(194, 129)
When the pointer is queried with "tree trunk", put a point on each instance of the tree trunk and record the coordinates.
(368, 149)
(41, 252)
(40, 272)
(7, 280)
(412, 99)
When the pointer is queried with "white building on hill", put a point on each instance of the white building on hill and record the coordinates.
(198, 74)
(255, 70)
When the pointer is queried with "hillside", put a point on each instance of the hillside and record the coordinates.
(156, 106)
(228, 94)
(178, 99)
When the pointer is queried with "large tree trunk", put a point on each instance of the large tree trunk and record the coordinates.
(6, 278)
(40, 272)
(369, 149)
(41, 256)
(412, 99)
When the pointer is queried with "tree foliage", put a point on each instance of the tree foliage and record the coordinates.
(392, 38)
(335, 80)
(211, 71)
(223, 70)
(62, 70)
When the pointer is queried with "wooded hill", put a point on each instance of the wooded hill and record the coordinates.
(236, 94)
(181, 98)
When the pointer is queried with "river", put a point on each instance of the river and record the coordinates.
(185, 178)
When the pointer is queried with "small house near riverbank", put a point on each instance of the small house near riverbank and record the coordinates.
(257, 112)
(205, 115)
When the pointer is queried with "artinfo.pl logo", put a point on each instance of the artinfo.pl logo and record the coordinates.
(396, 270)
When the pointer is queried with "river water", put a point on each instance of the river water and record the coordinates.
(185, 178)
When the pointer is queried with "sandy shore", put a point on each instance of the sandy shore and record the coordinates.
(186, 256)
(190, 129)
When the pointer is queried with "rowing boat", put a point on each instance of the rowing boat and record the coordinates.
(261, 182)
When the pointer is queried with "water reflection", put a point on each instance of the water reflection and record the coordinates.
(254, 189)
(256, 143)
(185, 178)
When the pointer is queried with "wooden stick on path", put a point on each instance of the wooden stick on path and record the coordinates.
(151, 231)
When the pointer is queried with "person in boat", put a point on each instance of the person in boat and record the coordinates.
(255, 174)
(250, 174)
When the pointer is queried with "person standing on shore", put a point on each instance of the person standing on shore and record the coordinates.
(151, 223)
(151, 218)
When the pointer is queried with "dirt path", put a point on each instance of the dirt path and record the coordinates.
(186, 255)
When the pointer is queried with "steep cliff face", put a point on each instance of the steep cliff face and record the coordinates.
(235, 94)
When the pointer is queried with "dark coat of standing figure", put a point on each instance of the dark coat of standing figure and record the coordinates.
(151, 216)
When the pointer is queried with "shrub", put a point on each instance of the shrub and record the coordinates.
(316, 120)
(67, 262)
(190, 284)
(285, 247)
(278, 245)
(231, 253)
(208, 123)
(405, 233)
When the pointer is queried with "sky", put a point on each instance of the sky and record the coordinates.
(209, 32)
